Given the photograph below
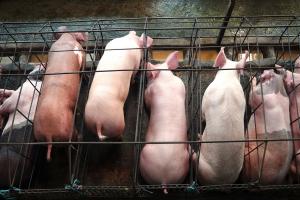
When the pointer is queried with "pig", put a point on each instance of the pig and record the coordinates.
(55, 109)
(104, 115)
(223, 108)
(268, 163)
(291, 82)
(297, 65)
(16, 161)
(165, 99)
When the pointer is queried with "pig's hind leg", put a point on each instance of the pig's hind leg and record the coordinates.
(205, 172)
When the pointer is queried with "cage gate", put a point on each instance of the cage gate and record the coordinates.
(91, 168)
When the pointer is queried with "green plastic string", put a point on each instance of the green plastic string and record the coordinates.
(76, 187)
(6, 194)
(192, 188)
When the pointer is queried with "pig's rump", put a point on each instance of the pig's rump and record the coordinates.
(17, 161)
(104, 114)
(276, 161)
(55, 110)
(295, 166)
(164, 163)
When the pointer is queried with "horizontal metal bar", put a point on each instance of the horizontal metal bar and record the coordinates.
(197, 68)
(154, 29)
(153, 18)
(144, 142)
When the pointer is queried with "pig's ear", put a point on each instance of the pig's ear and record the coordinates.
(220, 59)
(280, 69)
(149, 41)
(172, 60)
(297, 65)
(82, 36)
(61, 29)
(132, 32)
(151, 74)
(241, 64)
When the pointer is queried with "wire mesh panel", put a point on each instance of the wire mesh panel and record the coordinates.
(89, 167)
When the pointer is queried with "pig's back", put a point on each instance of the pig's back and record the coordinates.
(167, 104)
(117, 81)
(54, 113)
(223, 105)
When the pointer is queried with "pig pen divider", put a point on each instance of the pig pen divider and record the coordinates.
(111, 168)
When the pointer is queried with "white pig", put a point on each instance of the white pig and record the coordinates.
(165, 99)
(104, 114)
(223, 108)
(269, 162)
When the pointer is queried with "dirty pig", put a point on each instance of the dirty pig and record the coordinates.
(55, 110)
(268, 163)
(104, 115)
(291, 82)
(16, 161)
(165, 98)
(223, 108)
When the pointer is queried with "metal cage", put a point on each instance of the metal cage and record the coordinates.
(91, 168)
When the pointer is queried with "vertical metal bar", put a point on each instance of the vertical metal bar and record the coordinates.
(225, 22)
(140, 108)
(191, 61)
(297, 119)
(90, 78)
(102, 40)
(27, 117)
(196, 116)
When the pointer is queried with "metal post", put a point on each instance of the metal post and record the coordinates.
(225, 22)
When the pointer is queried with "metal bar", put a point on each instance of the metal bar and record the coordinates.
(140, 108)
(225, 22)
(142, 143)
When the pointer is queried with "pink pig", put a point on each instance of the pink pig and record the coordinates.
(104, 113)
(269, 162)
(223, 108)
(55, 110)
(297, 66)
(292, 81)
(16, 161)
(29, 93)
(165, 98)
